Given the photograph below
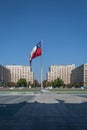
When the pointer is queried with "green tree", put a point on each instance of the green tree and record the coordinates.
(44, 83)
(49, 83)
(35, 83)
(77, 85)
(58, 82)
(11, 84)
(22, 83)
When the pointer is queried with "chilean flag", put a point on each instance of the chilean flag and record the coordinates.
(36, 51)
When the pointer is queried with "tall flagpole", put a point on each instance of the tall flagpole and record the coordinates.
(41, 69)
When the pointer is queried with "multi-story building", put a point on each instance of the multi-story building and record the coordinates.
(60, 71)
(79, 75)
(18, 71)
(4, 74)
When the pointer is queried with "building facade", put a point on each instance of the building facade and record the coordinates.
(18, 71)
(60, 71)
(4, 74)
(79, 75)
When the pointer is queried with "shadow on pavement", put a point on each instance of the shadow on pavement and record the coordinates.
(7, 111)
(43, 116)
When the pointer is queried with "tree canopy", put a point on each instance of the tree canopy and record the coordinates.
(22, 83)
(58, 82)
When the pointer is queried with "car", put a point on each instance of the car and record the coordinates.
(82, 87)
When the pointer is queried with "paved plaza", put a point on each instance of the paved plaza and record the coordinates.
(46, 111)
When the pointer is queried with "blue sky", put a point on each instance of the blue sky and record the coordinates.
(60, 24)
